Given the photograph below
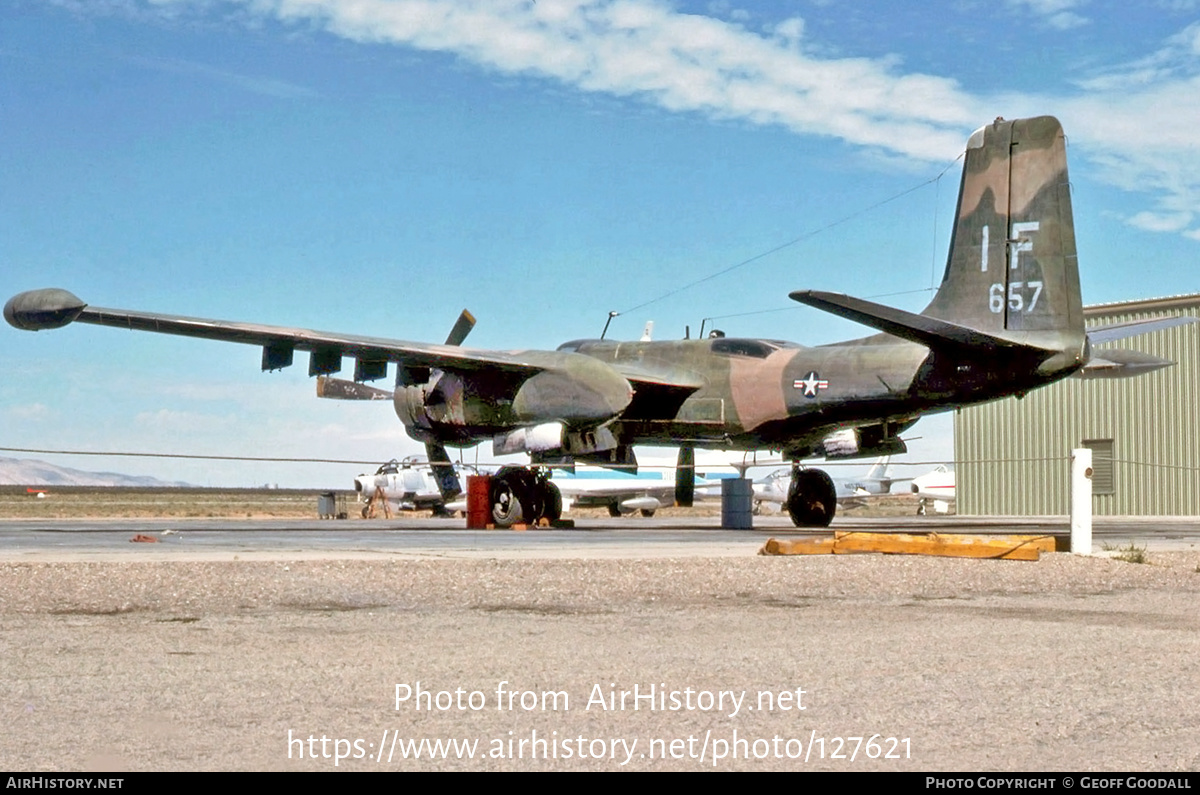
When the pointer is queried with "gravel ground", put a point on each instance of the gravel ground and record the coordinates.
(1065, 664)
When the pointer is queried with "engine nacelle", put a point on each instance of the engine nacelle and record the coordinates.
(585, 391)
(449, 409)
(470, 406)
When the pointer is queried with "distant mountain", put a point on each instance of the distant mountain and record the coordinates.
(28, 472)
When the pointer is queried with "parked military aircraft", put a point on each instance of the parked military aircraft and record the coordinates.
(935, 486)
(411, 484)
(625, 492)
(1006, 319)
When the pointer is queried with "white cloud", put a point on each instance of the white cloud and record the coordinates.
(1057, 14)
(1177, 59)
(681, 62)
(1136, 122)
(1160, 222)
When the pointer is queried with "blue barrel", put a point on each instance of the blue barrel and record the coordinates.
(737, 504)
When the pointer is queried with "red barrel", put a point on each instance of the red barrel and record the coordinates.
(479, 501)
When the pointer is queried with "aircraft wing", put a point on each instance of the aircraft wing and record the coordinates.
(53, 308)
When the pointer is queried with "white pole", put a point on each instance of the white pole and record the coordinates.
(1081, 501)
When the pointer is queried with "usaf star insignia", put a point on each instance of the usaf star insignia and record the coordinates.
(810, 384)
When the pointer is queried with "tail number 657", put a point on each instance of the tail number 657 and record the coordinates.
(1021, 297)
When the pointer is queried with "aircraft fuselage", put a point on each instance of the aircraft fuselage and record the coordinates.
(746, 393)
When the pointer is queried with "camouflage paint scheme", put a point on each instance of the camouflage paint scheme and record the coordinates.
(1007, 318)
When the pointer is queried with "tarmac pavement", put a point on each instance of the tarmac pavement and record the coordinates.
(586, 650)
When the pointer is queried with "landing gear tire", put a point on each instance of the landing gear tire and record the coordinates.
(812, 499)
(510, 499)
(523, 496)
(614, 510)
(647, 512)
(552, 503)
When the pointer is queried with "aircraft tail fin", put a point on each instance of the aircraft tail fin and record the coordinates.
(1011, 287)
(1012, 270)
(881, 469)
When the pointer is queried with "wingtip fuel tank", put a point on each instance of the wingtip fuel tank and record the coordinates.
(42, 309)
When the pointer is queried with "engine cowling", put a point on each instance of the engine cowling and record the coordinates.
(578, 394)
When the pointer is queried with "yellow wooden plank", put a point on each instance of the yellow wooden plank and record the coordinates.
(950, 545)
(798, 546)
(1012, 547)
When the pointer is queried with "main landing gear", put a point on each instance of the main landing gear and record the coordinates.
(812, 498)
(524, 495)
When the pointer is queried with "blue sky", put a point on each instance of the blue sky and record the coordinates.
(373, 167)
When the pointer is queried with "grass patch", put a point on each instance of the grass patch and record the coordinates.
(1130, 554)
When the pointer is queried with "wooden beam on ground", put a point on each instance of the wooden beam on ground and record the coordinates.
(797, 546)
(943, 544)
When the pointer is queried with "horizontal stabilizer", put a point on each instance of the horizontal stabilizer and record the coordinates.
(1118, 363)
(928, 331)
(1119, 331)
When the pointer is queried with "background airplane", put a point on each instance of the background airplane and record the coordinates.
(622, 492)
(411, 485)
(772, 490)
(935, 487)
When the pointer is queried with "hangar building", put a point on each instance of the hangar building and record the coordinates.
(1013, 456)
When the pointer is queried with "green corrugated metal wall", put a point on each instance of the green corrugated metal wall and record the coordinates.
(1013, 456)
